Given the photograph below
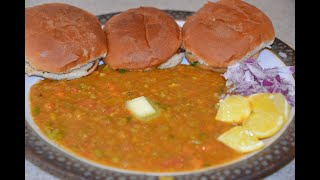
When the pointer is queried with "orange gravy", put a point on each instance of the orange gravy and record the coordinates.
(88, 117)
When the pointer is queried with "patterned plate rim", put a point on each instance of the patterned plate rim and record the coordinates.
(266, 162)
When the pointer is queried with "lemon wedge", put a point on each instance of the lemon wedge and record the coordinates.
(270, 102)
(241, 139)
(233, 109)
(282, 105)
(264, 124)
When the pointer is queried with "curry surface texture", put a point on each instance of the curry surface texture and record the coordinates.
(88, 117)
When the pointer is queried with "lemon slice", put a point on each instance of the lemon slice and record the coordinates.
(270, 102)
(282, 105)
(233, 109)
(264, 124)
(241, 140)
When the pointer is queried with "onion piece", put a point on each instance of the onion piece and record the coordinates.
(248, 77)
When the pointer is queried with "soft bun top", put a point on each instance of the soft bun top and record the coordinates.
(225, 32)
(61, 37)
(141, 38)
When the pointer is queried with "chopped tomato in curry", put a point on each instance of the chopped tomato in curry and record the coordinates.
(88, 117)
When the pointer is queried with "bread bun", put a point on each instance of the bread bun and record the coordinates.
(141, 39)
(223, 33)
(59, 39)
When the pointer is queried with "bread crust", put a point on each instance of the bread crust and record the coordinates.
(60, 37)
(141, 38)
(226, 32)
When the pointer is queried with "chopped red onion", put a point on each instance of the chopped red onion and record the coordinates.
(278, 78)
(266, 83)
(258, 73)
(285, 92)
(251, 60)
(248, 77)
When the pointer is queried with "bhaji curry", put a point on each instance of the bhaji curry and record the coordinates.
(88, 117)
